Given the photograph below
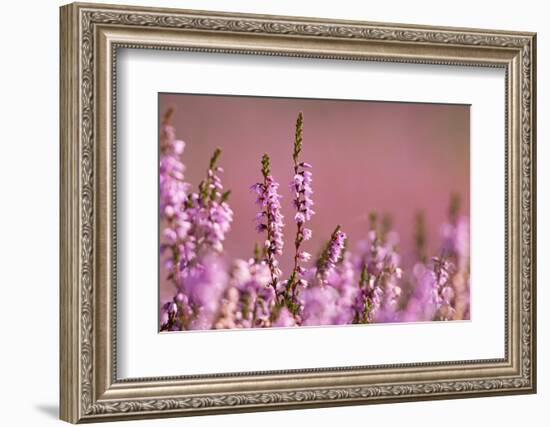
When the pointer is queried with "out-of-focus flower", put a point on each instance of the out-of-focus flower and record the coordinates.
(421, 305)
(443, 292)
(250, 298)
(196, 304)
(456, 247)
(456, 241)
(432, 296)
(380, 273)
(285, 318)
(173, 192)
(320, 305)
(343, 279)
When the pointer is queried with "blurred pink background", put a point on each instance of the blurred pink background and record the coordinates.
(395, 158)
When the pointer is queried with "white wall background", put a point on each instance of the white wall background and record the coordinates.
(29, 170)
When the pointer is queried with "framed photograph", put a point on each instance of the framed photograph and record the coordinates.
(267, 212)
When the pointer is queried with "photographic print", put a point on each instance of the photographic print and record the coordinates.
(289, 212)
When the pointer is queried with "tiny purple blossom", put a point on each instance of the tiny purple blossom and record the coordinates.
(304, 256)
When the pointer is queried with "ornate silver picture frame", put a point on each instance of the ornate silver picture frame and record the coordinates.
(91, 37)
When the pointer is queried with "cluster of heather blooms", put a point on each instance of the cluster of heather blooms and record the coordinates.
(442, 283)
(378, 262)
(456, 248)
(270, 220)
(340, 286)
(193, 228)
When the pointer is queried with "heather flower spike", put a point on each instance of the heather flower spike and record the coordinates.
(332, 254)
(302, 191)
(195, 224)
(209, 188)
(298, 137)
(211, 214)
(173, 193)
(368, 299)
(270, 219)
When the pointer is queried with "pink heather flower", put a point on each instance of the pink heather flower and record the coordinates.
(331, 255)
(270, 219)
(301, 187)
(172, 187)
(220, 218)
(210, 214)
(173, 192)
(336, 246)
(208, 218)
(304, 256)
(195, 224)
(302, 190)
(299, 218)
(302, 202)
